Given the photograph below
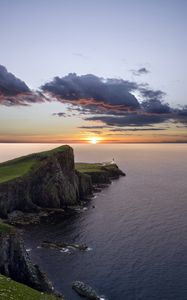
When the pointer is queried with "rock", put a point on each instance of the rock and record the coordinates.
(53, 182)
(101, 175)
(16, 263)
(85, 290)
(61, 245)
(20, 218)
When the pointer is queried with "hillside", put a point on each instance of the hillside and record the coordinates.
(12, 290)
(21, 166)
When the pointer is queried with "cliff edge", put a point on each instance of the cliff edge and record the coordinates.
(16, 264)
(49, 179)
(42, 180)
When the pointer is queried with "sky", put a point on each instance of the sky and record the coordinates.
(108, 71)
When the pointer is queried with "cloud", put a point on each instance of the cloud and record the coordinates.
(11, 85)
(14, 91)
(156, 106)
(141, 71)
(131, 119)
(89, 94)
(59, 114)
(150, 94)
(136, 129)
(93, 92)
(92, 127)
(181, 115)
(110, 101)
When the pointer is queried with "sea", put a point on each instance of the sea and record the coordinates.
(136, 228)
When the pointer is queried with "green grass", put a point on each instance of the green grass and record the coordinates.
(15, 170)
(88, 168)
(12, 290)
(21, 166)
(5, 228)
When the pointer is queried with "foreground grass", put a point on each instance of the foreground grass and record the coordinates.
(5, 228)
(12, 290)
(21, 166)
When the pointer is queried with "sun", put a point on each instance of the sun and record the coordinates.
(93, 140)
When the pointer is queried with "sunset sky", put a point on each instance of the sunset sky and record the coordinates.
(103, 71)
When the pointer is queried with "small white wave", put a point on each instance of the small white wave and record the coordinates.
(65, 250)
(89, 249)
(102, 298)
(38, 247)
(28, 249)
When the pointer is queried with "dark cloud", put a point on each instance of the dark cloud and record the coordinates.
(149, 94)
(156, 106)
(131, 119)
(141, 71)
(137, 129)
(14, 91)
(92, 127)
(89, 94)
(11, 85)
(60, 114)
(181, 115)
(92, 91)
(111, 101)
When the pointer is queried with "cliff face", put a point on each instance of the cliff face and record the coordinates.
(16, 264)
(49, 180)
(100, 174)
(53, 183)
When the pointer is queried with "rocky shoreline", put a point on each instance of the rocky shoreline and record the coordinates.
(53, 187)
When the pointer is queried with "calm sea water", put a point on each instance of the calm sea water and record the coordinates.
(137, 230)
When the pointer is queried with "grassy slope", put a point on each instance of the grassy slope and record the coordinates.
(94, 167)
(20, 166)
(87, 167)
(5, 228)
(12, 290)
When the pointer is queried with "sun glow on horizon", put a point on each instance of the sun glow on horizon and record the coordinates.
(93, 140)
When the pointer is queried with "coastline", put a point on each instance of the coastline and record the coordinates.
(58, 166)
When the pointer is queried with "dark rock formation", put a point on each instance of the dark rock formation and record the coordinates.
(16, 264)
(106, 174)
(85, 290)
(53, 183)
(61, 245)
(85, 185)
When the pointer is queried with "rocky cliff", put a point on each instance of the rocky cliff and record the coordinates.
(15, 262)
(99, 173)
(50, 182)
(29, 184)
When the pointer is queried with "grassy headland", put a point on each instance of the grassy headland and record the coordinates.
(89, 167)
(21, 166)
